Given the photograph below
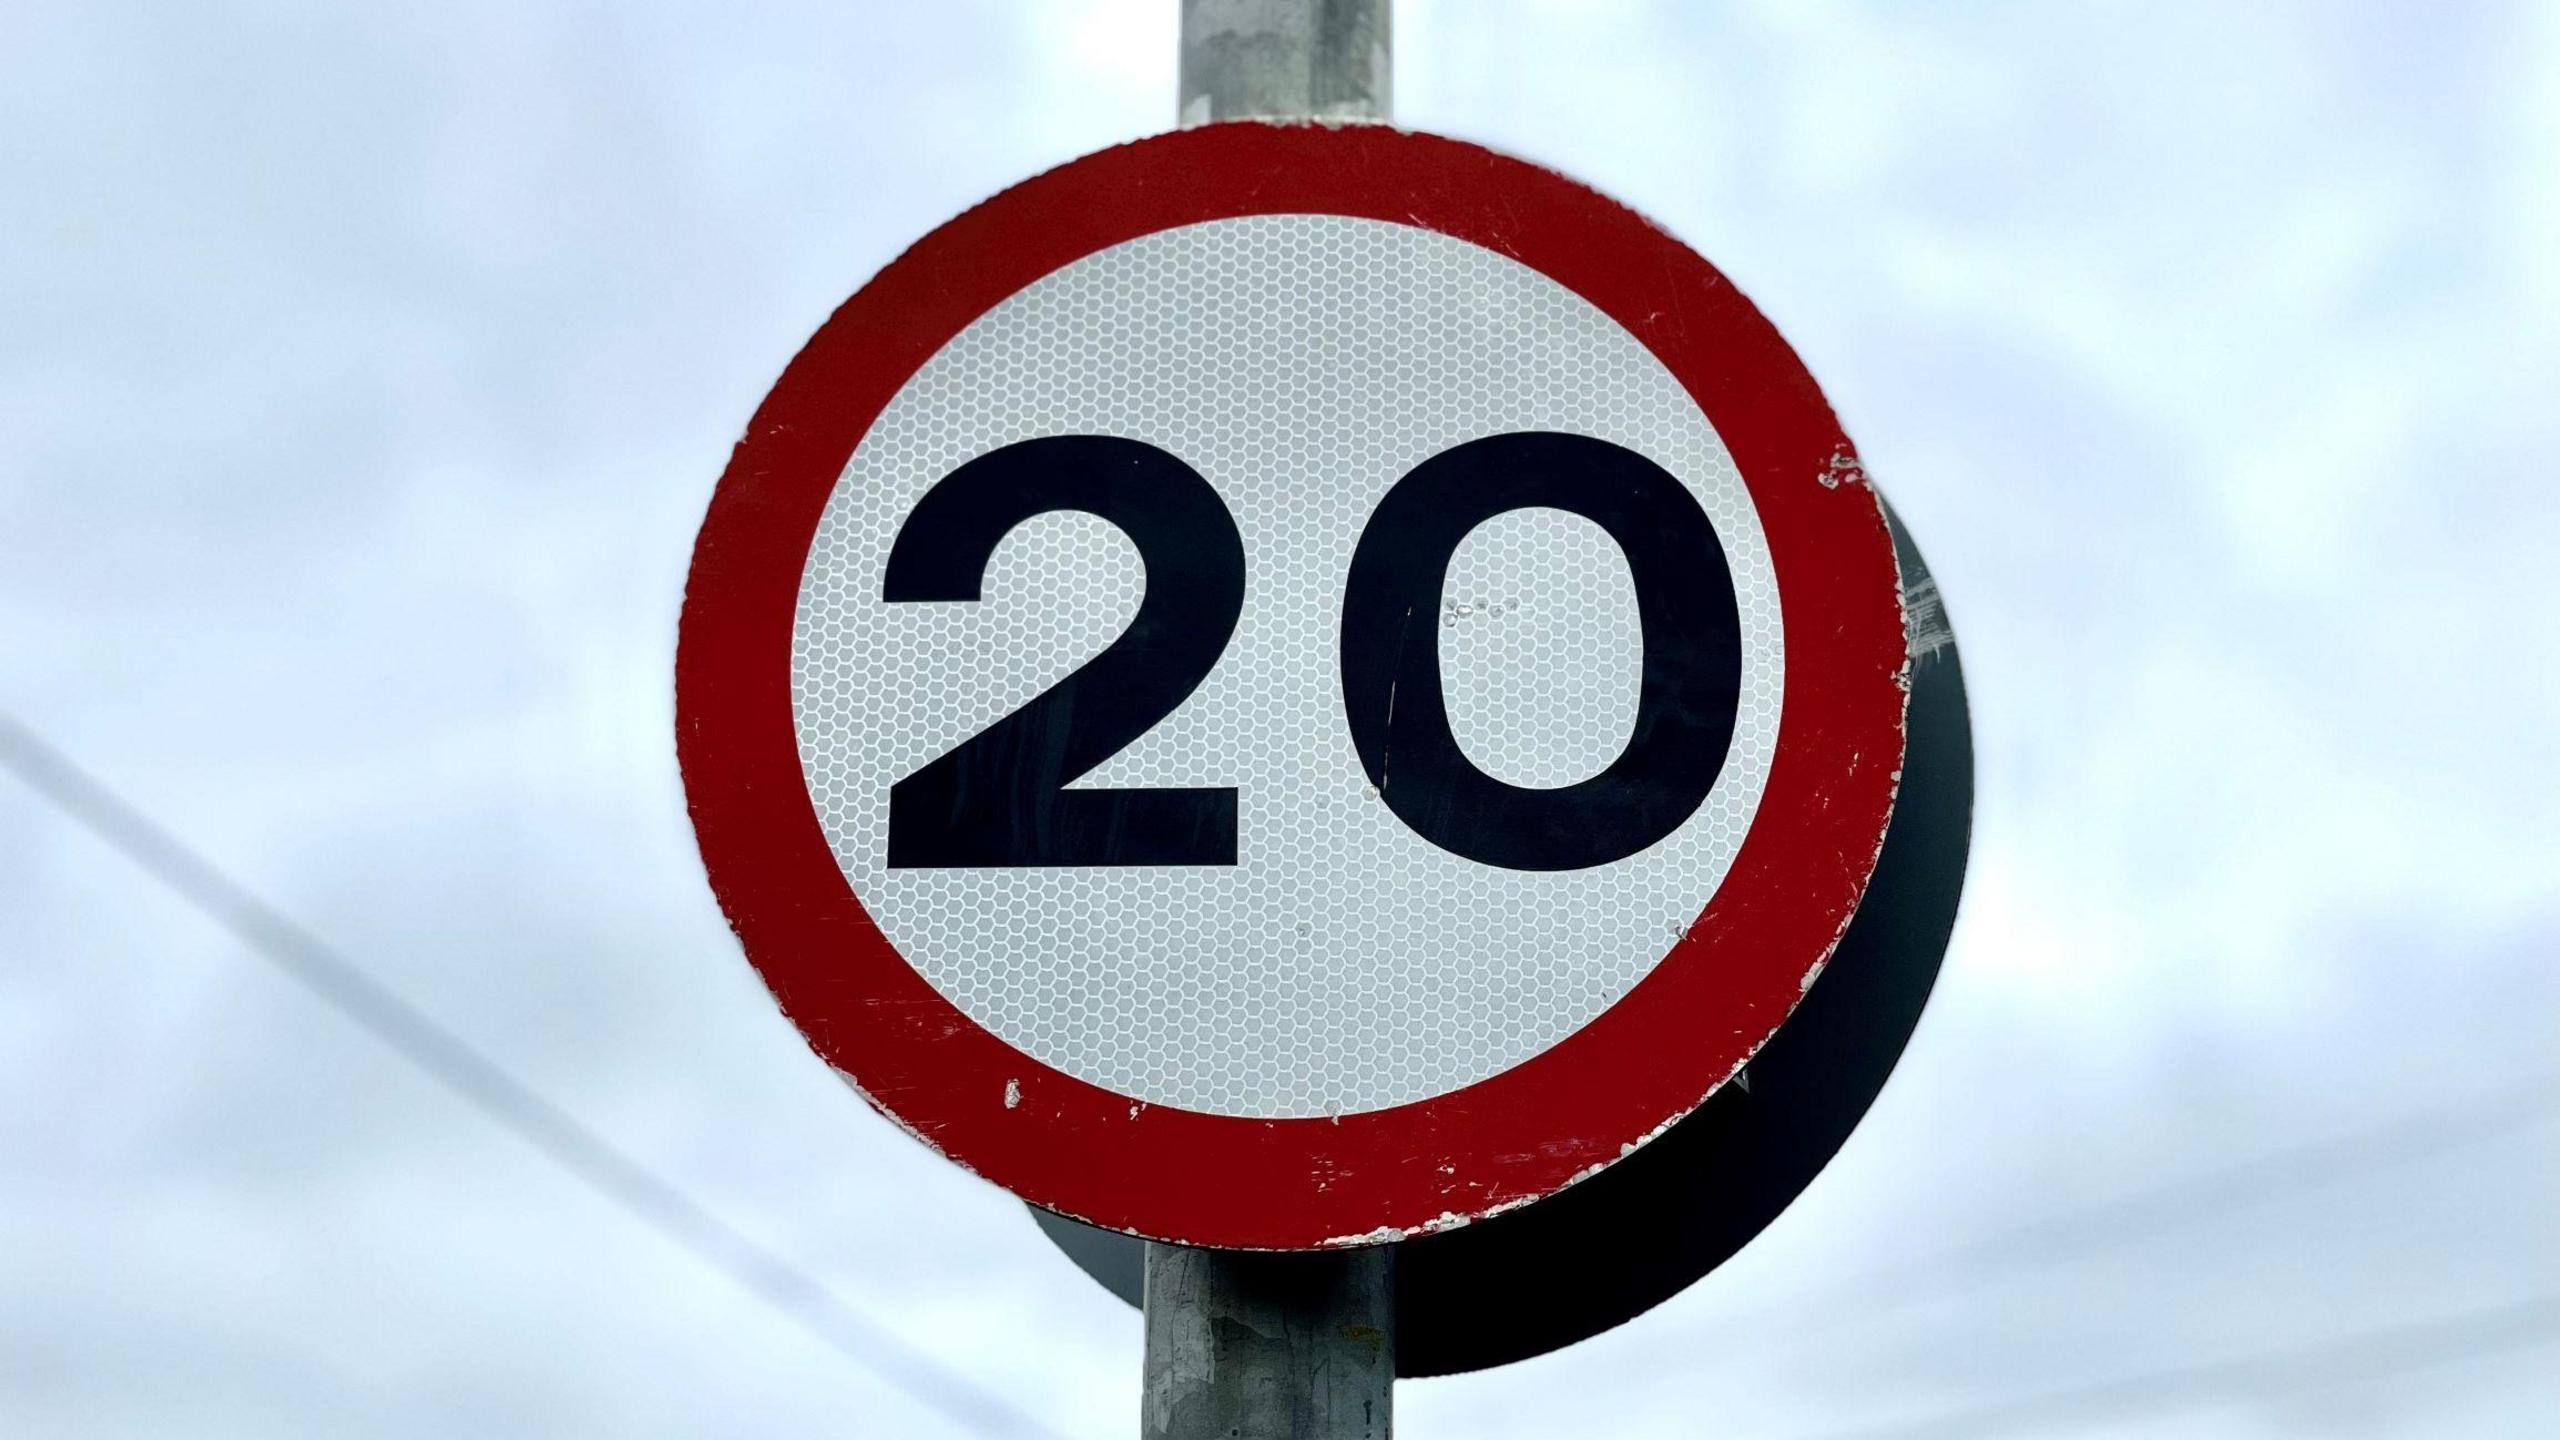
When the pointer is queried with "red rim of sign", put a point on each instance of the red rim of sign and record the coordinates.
(1182, 1175)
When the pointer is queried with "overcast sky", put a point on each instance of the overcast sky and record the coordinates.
(364, 370)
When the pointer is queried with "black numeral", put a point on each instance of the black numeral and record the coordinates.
(1391, 653)
(1000, 798)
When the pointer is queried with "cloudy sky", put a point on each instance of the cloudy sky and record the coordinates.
(364, 371)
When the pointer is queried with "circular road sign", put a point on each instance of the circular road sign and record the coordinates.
(1287, 686)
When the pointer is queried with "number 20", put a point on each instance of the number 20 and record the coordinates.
(1000, 797)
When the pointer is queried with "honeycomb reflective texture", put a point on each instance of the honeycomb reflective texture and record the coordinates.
(1302, 364)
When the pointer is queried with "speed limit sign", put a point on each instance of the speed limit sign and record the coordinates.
(1287, 686)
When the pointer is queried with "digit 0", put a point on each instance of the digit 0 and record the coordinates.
(1391, 690)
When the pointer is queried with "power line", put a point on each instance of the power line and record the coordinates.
(2406, 1140)
(2365, 1355)
(496, 1092)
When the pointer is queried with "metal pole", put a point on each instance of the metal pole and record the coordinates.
(1332, 59)
(1244, 1345)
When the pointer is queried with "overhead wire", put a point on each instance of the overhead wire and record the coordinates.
(612, 1173)
(2364, 1355)
(475, 1077)
(2404, 1140)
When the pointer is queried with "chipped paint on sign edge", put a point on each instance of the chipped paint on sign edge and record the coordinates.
(1843, 465)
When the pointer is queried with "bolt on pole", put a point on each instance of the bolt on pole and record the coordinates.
(1248, 1345)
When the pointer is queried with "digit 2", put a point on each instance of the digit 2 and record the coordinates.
(1000, 797)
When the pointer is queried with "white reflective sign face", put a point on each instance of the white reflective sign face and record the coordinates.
(1301, 365)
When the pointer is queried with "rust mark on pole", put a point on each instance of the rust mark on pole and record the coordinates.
(1319, 59)
(1253, 1345)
